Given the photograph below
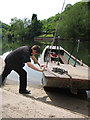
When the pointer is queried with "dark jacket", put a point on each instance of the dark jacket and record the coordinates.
(19, 57)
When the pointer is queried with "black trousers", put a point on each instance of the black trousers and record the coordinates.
(21, 72)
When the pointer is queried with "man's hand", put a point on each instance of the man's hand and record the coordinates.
(43, 66)
(35, 68)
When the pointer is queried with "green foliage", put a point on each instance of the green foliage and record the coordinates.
(35, 26)
(3, 28)
(73, 23)
(68, 7)
(17, 28)
(49, 25)
(21, 30)
(9, 36)
(33, 29)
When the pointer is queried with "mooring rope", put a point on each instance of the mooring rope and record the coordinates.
(55, 33)
(57, 25)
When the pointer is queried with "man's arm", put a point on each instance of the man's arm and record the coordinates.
(35, 60)
(35, 68)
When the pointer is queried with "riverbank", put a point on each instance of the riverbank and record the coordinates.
(41, 103)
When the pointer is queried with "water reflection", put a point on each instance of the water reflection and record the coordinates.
(82, 54)
(68, 45)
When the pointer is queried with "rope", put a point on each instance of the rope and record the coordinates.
(57, 24)
(55, 33)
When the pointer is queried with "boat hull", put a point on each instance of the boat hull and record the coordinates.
(65, 83)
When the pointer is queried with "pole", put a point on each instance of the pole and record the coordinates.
(77, 52)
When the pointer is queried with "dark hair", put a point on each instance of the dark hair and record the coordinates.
(37, 48)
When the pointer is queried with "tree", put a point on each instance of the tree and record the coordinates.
(3, 29)
(35, 28)
(17, 28)
(74, 23)
(68, 7)
(9, 36)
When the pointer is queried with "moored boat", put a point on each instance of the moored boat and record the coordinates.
(64, 70)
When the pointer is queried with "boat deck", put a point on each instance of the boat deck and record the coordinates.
(76, 73)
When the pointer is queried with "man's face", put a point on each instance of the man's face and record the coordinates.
(34, 52)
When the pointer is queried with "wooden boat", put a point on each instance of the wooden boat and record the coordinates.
(72, 74)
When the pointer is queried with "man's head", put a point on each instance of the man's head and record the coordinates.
(35, 49)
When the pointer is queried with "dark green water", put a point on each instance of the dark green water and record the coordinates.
(83, 50)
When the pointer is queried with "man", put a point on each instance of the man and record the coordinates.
(16, 61)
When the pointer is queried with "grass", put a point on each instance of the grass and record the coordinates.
(46, 35)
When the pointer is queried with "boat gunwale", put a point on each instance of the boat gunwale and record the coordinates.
(61, 48)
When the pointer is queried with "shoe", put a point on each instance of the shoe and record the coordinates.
(24, 92)
(2, 83)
